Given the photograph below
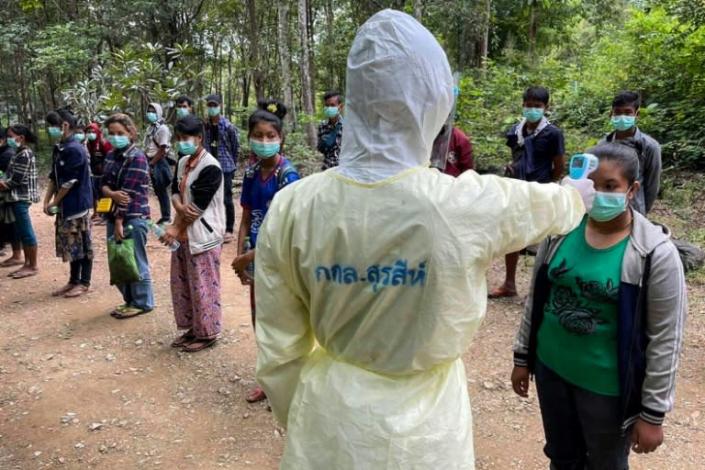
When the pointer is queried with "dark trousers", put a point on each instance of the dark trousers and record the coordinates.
(161, 180)
(583, 429)
(228, 199)
(81, 271)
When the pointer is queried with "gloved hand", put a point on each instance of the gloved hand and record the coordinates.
(586, 188)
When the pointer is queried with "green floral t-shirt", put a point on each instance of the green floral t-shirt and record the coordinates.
(578, 336)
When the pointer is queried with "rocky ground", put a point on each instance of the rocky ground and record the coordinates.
(79, 389)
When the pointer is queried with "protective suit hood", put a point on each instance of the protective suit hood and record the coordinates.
(158, 109)
(399, 93)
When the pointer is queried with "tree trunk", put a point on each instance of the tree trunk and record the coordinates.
(485, 41)
(533, 27)
(307, 91)
(283, 42)
(254, 49)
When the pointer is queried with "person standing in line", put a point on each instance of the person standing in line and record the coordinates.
(69, 197)
(603, 327)
(269, 173)
(126, 182)
(221, 141)
(20, 186)
(157, 142)
(538, 155)
(330, 131)
(199, 226)
(98, 148)
(623, 118)
(184, 106)
(7, 230)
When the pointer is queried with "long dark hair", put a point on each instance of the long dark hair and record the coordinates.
(24, 131)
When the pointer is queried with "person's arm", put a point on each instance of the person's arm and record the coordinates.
(284, 335)
(203, 190)
(233, 142)
(508, 215)
(49, 194)
(20, 171)
(652, 175)
(244, 230)
(134, 176)
(559, 156)
(320, 145)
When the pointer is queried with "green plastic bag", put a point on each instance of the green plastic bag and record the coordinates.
(122, 262)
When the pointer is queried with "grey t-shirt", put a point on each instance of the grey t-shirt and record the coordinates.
(158, 135)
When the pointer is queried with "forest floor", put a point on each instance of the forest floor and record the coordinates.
(79, 389)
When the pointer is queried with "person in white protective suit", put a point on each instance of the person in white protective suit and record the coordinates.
(371, 276)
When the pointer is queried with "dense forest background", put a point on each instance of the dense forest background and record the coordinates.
(99, 56)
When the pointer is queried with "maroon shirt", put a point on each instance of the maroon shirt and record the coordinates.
(459, 157)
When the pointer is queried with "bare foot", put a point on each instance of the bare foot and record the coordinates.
(76, 291)
(25, 272)
(62, 290)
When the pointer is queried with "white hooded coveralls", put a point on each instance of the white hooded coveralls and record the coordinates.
(371, 276)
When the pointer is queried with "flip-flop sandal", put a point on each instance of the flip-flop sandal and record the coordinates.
(130, 312)
(62, 291)
(501, 293)
(76, 291)
(198, 345)
(10, 264)
(183, 339)
(22, 275)
(118, 310)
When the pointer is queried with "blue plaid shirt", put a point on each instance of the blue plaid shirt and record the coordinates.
(224, 145)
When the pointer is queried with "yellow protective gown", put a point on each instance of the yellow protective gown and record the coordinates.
(371, 277)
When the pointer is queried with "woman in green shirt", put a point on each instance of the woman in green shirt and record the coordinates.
(603, 327)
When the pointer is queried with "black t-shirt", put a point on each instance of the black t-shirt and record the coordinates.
(213, 130)
(544, 147)
(6, 154)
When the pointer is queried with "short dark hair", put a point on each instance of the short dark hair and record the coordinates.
(184, 99)
(624, 156)
(60, 116)
(333, 94)
(189, 125)
(24, 131)
(271, 111)
(627, 98)
(537, 93)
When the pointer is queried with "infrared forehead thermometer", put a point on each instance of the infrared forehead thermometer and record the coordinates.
(582, 164)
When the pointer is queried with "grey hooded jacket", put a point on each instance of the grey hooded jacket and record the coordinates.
(652, 308)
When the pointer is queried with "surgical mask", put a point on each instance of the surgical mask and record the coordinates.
(181, 112)
(623, 123)
(186, 147)
(608, 206)
(79, 136)
(119, 141)
(92, 136)
(533, 114)
(152, 117)
(331, 111)
(54, 132)
(213, 110)
(11, 142)
(264, 149)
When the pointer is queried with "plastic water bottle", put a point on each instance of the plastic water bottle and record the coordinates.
(53, 210)
(159, 231)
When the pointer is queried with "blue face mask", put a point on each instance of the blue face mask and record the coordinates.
(119, 141)
(152, 117)
(11, 142)
(54, 132)
(623, 123)
(533, 114)
(79, 136)
(608, 206)
(182, 112)
(331, 111)
(186, 147)
(265, 149)
(92, 136)
(213, 111)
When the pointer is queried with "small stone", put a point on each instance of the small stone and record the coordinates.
(235, 378)
(80, 445)
(61, 460)
(110, 357)
(224, 391)
(277, 433)
(98, 347)
(37, 454)
(75, 421)
(49, 357)
(139, 342)
(102, 449)
(489, 385)
(246, 415)
(95, 426)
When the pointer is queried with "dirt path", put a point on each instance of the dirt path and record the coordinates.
(79, 389)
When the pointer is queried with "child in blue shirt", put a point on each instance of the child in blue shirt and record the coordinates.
(268, 173)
